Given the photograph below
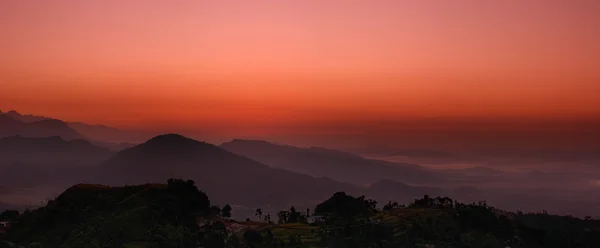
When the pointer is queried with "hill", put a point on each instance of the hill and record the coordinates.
(50, 151)
(108, 134)
(24, 118)
(99, 133)
(229, 177)
(10, 126)
(431, 222)
(165, 215)
(337, 165)
(100, 216)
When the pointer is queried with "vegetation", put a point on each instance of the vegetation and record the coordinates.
(165, 216)
(100, 216)
(9, 215)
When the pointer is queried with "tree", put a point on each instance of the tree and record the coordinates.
(293, 216)
(226, 211)
(9, 215)
(259, 213)
(391, 205)
(283, 217)
(99, 216)
(215, 210)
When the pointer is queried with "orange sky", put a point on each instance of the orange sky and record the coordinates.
(259, 64)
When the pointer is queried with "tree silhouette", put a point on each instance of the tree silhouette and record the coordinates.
(283, 217)
(9, 215)
(226, 211)
(293, 216)
(259, 213)
(215, 210)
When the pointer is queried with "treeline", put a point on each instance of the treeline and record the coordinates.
(165, 215)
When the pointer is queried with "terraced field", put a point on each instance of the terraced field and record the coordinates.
(310, 235)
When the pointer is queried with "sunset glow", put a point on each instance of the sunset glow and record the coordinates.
(250, 66)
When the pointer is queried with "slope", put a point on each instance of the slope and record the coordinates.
(10, 126)
(100, 216)
(321, 162)
(229, 177)
(50, 151)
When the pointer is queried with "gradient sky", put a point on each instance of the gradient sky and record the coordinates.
(248, 66)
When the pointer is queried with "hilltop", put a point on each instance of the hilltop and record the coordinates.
(88, 215)
(177, 214)
(227, 176)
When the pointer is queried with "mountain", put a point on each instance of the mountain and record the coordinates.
(229, 177)
(10, 126)
(50, 151)
(108, 134)
(45, 162)
(112, 145)
(93, 132)
(24, 118)
(337, 165)
(388, 190)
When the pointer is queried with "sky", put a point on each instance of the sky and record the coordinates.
(258, 67)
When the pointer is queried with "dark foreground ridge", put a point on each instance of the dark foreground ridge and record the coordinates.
(177, 214)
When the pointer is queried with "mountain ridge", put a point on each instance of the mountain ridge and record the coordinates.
(10, 126)
(220, 172)
(316, 161)
(101, 133)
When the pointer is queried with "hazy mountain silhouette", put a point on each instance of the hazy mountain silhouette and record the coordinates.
(337, 165)
(24, 118)
(113, 136)
(50, 151)
(10, 126)
(386, 150)
(225, 176)
(386, 190)
(113, 146)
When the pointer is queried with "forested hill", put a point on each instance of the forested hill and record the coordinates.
(100, 216)
(168, 215)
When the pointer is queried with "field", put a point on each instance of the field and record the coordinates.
(310, 235)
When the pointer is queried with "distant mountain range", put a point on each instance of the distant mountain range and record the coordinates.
(38, 150)
(13, 123)
(50, 154)
(9, 126)
(50, 151)
(225, 176)
(337, 165)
